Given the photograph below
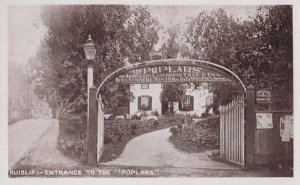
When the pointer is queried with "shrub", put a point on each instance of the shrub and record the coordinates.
(72, 138)
(114, 130)
(155, 123)
(155, 113)
(134, 126)
(180, 127)
(135, 117)
(206, 115)
(195, 116)
(203, 133)
(174, 130)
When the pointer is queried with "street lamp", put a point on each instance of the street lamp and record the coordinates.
(89, 49)
(90, 53)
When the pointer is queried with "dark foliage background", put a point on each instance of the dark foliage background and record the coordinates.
(258, 50)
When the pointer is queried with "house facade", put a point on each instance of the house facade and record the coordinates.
(147, 97)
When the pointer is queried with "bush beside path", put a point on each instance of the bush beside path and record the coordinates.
(197, 136)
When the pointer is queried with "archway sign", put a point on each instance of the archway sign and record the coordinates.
(172, 70)
(158, 71)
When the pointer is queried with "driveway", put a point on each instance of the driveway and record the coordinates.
(155, 150)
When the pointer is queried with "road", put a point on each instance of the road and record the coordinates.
(34, 142)
(155, 150)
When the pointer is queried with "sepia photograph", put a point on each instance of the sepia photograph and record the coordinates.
(150, 90)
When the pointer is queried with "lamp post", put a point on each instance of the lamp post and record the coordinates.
(90, 53)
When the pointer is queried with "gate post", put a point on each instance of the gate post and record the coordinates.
(100, 133)
(92, 127)
(250, 127)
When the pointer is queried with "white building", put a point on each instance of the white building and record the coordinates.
(147, 97)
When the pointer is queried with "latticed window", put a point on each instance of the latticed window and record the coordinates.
(186, 103)
(144, 86)
(145, 103)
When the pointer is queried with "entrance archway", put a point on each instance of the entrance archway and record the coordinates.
(180, 70)
(218, 69)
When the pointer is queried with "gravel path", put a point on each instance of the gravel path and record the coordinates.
(154, 149)
(41, 150)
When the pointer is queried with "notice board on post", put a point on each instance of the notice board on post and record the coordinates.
(264, 120)
(286, 127)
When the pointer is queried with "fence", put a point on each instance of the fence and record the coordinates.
(268, 145)
(232, 131)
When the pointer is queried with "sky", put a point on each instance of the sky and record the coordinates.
(25, 32)
(26, 29)
(172, 15)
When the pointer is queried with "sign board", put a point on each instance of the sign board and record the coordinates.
(171, 73)
(263, 96)
(264, 121)
(286, 127)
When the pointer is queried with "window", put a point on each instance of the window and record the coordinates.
(144, 86)
(186, 103)
(145, 103)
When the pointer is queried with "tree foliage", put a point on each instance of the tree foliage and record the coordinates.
(258, 50)
(20, 92)
(23, 103)
(171, 47)
(172, 92)
(60, 70)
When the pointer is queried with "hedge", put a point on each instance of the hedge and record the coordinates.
(72, 138)
(203, 134)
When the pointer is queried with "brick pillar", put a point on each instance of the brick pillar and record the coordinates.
(92, 127)
(250, 128)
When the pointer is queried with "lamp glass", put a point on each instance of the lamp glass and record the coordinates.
(89, 49)
(90, 52)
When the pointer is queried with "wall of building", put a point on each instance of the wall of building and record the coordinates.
(153, 91)
(201, 96)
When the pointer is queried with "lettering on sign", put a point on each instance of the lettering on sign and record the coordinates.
(263, 96)
(264, 120)
(160, 74)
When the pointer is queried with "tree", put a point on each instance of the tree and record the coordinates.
(23, 102)
(213, 37)
(275, 34)
(172, 92)
(20, 97)
(118, 31)
(258, 50)
(171, 47)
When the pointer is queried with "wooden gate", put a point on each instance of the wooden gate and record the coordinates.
(232, 131)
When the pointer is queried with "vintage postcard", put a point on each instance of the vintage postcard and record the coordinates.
(139, 90)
